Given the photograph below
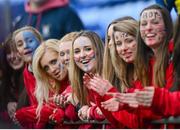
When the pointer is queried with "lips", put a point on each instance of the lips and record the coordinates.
(27, 52)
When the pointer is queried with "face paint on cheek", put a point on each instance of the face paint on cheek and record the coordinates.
(31, 41)
(91, 65)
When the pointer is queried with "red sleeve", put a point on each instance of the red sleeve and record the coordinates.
(70, 113)
(165, 102)
(169, 76)
(27, 115)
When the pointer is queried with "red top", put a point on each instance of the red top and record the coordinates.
(30, 83)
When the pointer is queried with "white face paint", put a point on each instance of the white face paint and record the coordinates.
(84, 54)
(125, 46)
(52, 66)
(152, 28)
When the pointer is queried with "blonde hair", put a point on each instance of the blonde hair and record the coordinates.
(42, 79)
(69, 37)
(76, 74)
(115, 69)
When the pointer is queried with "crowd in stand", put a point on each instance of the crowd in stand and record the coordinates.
(130, 80)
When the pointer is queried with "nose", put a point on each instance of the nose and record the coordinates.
(82, 54)
(148, 27)
(124, 47)
(66, 57)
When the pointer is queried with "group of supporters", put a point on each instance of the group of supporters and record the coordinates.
(130, 80)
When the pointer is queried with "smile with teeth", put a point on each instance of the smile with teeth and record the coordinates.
(85, 61)
(150, 35)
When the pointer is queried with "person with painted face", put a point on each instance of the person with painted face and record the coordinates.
(154, 66)
(163, 101)
(27, 39)
(52, 86)
(118, 71)
(65, 47)
(86, 56)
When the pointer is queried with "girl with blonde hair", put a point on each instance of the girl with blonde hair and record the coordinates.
(51, 86)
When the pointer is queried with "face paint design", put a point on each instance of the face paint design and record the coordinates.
(14, 60)
(26, 43)
(52, 66)
(125, 46)
(64, 52)
(152, 28)
(84, 54)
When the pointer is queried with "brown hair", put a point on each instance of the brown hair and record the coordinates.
(144, 53)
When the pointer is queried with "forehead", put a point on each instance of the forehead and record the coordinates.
(23, 34)
(48, 55)
(82, 41)
(119, 34)
(65, 45)
(151, 14)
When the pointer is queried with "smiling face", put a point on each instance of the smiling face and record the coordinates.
(84, 54)
(152, 28)
(26, 44)
(125, 46)
(14, 60)
(52, 66)
(64, 52)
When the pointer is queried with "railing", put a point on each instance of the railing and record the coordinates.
(165, 121)
(79, 122)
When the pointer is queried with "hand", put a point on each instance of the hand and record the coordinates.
(111, 104)
(59, 100)
(100, 85)
(83, 112)
(145, 97)
(98, 110)
(57, 117)
(86, 79)
(71, 99)
(11, 108)
(126, 98)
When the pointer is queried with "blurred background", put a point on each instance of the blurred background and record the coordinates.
(95, 14)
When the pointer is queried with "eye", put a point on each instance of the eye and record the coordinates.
(61, 53)
(129, 40)
(46, 68)
(118, 43)
(88, 48)
(53, 62)
(155, 22)
(76, 51)
(143, 23)
(19, 44)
